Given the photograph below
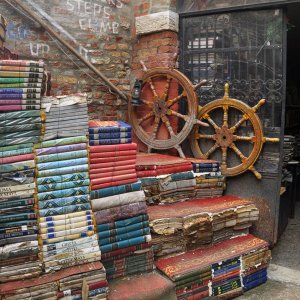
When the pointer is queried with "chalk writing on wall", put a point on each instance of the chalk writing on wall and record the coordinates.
(37, 49)
(16, 31)
(96, 15)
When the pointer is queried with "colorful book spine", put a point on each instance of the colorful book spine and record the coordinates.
(111, 135)
(62, 163)
(120, 189)
(110, 141)
(112, 148)
(83, 190)
(60, 202)
(123, 230)
(19, 128)
(112, 154)
(63, 171)
(21, 86)
(20, 96)
(62, 178)
(123, 244)
(21, 69)
(114, 183)
(97, 163)
(24, 63)
(19, 80)
(61, 156)
(64, 210)
(19, 107)
(18, 75)
(60, 149)
(63, 185)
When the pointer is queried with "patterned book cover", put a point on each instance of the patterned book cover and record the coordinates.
(110, 141)
(21, 74)
(21, 69)
(97, 126)
(10, 80)
(176, 267)
(20, 96)
(112, 135)
(19, 91)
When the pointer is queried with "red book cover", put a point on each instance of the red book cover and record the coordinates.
(111, 169)
(175, 267)
(51, 277)
(95, 161)
(97, 177)
(165, 170)
(196, 206)
(113, 153)
(113, 179)
(112, 148)
(109, 184)
(16, 158)
(141, 286)
(111, 164)
(98, 285)
(131, 249)
(155, 159)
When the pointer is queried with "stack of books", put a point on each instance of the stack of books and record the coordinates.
(18, 221)
(67, 231)
(86, 281)
(213, 271)
(184, 226)
(66, 116)
(21, 85)
(109, 132)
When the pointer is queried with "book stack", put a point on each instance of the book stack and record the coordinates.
(123, 230)
(209, 180)
(85, 281)
(109, 132)
(288, 149)
(184, 226)
(20, 85)
(213, 271)
(18, 221)
(21, 127)
(66, 116)
(165, 179)
(66, 226)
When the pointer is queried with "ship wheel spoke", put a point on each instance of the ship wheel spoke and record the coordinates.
(167, 87)
(177, 114)
(239, 123)
(244, 138)
(225, 116)
(211, 121)
(176, 99)
(155, 127)
(204, 136)
(238, 152)
(152, 87)
(146, 117)
(168, 125)
(211, 150)
(224, 158)
(148, 103)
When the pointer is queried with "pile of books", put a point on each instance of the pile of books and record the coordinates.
(67, 232)
(214, 271)
(21, 85)
(119, 205)
(85, 281)
(66, 116)
(18, 221)
(184, 226)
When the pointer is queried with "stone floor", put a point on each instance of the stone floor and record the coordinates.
(284, 272)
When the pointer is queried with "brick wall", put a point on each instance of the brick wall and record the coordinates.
(102, 31)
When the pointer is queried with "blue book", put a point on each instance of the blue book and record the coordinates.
(255, 283)
(110, 141)
(226, 263)
(202, 169)
(207, 165)
(123, 237)
(255, 276)
(122, 223)
(103, 126)
(19, 90)
(111, 135)
(98, 291)
(123, 230)
(123, 244)
(115, 190)
(149, 181)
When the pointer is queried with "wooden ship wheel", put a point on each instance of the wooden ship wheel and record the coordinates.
(157, 122)
(225, 137)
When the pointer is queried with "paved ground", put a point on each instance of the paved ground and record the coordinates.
(284, 272)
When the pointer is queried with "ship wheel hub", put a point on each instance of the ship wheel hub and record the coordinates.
(160, 107)
(224, 137)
